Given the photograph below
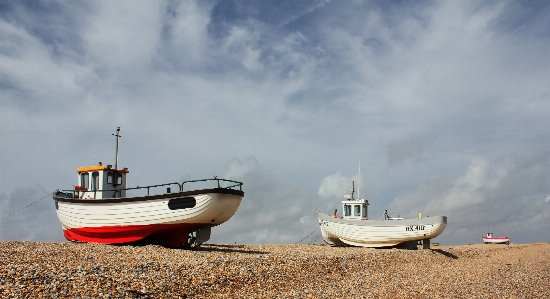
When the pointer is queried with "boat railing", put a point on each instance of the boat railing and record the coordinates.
(233, 186)
(144, 187)
(118, 192)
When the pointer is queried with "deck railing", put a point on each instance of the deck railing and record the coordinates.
(235, 183)
(118, 192)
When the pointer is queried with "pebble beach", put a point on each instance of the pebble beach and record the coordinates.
(73, 270)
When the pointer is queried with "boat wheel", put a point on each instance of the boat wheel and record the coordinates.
(191, 241)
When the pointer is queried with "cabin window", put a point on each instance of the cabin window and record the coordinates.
(110, 178)
(84, 179)
(357, 210)
(364, 212)
(118, 178)
(95, 180)
(347, 210)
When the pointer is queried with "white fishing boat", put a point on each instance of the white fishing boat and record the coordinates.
(355, 229)
(100, 209)
(489, 239)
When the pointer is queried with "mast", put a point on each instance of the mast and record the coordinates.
(117, 137)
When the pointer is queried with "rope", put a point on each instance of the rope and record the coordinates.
(274, 228)
(308, 235)
(315, 239)
(4, 218)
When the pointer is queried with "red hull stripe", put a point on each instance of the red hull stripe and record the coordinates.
(164, 234)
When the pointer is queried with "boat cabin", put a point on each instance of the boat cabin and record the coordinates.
(99, 181)
(355, 209)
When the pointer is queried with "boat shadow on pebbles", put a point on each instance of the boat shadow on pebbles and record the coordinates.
(222, 248)
(404, 248)
(445, 253)
(227, 248)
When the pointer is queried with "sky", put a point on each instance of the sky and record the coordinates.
(433, 107)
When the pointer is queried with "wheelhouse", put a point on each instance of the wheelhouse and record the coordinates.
(99, 181)
(355, 209)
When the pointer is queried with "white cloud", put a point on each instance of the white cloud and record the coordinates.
(504, 196)
(123, 35)
(334, 186)
(437, 99)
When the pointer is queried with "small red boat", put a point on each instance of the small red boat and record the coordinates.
(489, 239)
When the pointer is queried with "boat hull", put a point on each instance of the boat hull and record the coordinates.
(497, 240)
(163, 219)
(379, 233)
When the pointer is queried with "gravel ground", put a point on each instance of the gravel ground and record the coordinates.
(69, 270)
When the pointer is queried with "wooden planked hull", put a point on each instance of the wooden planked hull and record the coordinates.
(379, 233)
(164, 219)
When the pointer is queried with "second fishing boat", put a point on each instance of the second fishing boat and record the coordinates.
(355, 229)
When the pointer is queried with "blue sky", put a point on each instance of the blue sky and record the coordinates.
(443, 104)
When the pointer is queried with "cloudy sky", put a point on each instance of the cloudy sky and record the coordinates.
(439, 107)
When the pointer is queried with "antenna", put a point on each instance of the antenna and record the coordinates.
(352, 189)
(117, 137)
(358, 196)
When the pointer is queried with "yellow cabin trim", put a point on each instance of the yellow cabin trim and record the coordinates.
(100, 167)
(91, 168)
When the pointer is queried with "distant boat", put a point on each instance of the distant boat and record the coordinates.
(489, 239)
(99, 210)
(355, 229)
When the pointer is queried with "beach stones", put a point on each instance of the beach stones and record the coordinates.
(70, 270)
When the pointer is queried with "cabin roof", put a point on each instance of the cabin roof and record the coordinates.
(90, 168)
(100, 167)
(357, 201)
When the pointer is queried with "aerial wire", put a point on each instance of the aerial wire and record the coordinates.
(6, 217)
(95, 146)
